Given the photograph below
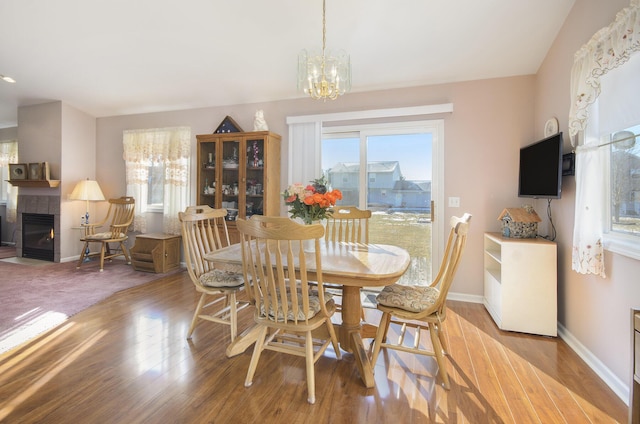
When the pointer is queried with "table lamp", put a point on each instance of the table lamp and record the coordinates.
(87, 190)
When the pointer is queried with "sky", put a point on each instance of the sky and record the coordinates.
(413, 151)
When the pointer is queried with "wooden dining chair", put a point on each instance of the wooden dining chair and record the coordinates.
(204, 230)
(287, 307)
(348, 224)
(351, 225)
(422, 307)
(118, 220)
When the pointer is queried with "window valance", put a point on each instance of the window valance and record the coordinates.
(608, 48)
(157, 144)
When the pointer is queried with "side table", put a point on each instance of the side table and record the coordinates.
(156, 252)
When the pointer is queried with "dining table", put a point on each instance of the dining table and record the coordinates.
(351, 265)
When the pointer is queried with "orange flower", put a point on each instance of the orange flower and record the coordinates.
(311, 202)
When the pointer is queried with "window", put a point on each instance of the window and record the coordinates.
(8, 154)
(604, 87)
(624, 182)
(155, 195)
(618, 119)
(157, 174)
(4, 185)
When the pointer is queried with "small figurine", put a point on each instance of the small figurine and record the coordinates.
(259, 124)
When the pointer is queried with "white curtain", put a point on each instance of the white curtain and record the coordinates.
(171, 146)
(305, 140)
(607, 50)
(9, 154)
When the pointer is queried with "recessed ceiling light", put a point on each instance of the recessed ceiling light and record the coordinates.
(7, 79)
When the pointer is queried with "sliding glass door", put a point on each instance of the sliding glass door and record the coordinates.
(389, 170)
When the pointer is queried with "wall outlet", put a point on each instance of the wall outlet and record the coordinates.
(454, 202)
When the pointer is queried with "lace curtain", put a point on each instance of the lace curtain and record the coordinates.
(9, 154)
(170, 146)
(607, 50)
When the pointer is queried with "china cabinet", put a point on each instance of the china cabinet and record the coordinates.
(241, 173)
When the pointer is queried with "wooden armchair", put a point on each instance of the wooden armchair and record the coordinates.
(285, 301)
(204, 230)
(422, 307)
(119, 218)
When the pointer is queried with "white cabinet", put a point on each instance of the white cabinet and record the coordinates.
(520, 284)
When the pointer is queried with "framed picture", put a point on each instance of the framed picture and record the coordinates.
(35, 171)
(45, 173)
(17, 171)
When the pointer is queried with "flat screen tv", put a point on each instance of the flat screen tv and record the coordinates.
(540, 173)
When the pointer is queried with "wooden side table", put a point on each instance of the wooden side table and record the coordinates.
(156, 252)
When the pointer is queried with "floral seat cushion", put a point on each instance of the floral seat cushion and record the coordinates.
(217, 278)
(409, 298)
(314, 308)
(105, 236)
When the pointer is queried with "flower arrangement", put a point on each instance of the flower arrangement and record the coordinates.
(312, 202)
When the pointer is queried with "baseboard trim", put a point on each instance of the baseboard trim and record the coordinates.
(463, 297)
(610, 379)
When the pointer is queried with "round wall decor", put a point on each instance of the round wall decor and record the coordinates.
(551, 127)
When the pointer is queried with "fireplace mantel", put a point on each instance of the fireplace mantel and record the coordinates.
(35, 183)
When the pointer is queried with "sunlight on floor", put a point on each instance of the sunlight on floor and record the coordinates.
(27, 330)
(48, 374)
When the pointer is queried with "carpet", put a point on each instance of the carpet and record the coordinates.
(36, 298)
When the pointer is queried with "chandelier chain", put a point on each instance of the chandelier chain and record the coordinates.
(324, 34)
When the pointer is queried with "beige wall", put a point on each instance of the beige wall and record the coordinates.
(9, 133)
(593, 310)
(78, 162)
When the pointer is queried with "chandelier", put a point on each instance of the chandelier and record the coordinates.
(323, 75)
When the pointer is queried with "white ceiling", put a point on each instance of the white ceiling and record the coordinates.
(120, 57)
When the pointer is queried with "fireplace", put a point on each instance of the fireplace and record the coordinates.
(38, 236)
(47, 244)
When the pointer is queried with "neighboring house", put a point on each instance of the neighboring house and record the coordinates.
(413, 194)
(386, 186)
(626, 177)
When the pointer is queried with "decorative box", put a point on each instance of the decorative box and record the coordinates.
(519, 222)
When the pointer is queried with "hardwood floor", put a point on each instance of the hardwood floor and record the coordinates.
(126, 360)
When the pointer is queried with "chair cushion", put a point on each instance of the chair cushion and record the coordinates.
(314, 308)
(217, 278)
(105, 236)
(409, 298)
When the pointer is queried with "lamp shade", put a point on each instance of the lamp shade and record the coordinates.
(87, 190)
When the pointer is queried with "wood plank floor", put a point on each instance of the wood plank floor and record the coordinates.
(126, 360)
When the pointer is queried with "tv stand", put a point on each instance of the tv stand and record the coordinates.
(520, 284)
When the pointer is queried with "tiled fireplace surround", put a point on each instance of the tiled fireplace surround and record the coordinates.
(49, 205)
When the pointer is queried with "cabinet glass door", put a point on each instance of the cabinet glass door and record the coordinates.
(255, 177)
(230, 188)
(207, 166)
